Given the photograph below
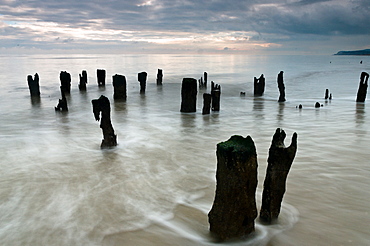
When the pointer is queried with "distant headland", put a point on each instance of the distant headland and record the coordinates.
(355, 53)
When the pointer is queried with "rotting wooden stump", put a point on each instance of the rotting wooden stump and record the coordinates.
(141, 77)
(189, 95)
(362, 89)
(281, 86)
(62, 103)
(279, 162)
(216, 96)
(207, 99)
(234, 209)
(102, 105)
(65, 81)
(101, 74)
(159, 77)
(33, 85)
(120, 87)
(83, 81)
(259, 85)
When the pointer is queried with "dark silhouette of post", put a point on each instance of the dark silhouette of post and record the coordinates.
(207, 99)
(280, 81)
(279, 162)
(33, 85)
(327, 94)
(102, 105)
(216, 96)
(120, 87)
(62, 104)
(65, 81)
(142, 80)
(159, 77)
(83, 81)
(234, 208)
(362, 89)
(101, 74)
(189, 95)
(259, 85)
(205, 75)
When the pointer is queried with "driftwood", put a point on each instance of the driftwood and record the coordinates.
(33, 85)
(362, 89)
(234, 208)
(102, 105)
(189, 95)
(279, 162)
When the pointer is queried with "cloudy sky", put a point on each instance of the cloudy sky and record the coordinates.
(184, 26)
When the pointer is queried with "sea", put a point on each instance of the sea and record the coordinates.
(156, 187)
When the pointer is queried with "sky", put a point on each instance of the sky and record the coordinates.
(184, 26)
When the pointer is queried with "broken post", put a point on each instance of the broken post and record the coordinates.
(205, 75)
(327, 94)
(119, 85)
(207, 99)
(189, 95)
(362, 89)
(62, 104)
(279, 162)
(100, 73)
(65, 81)
(102, 105)
(141, 77)
(259, 85)
(280, 81)
(33, 85)
(83, 81)
(234, 208)
(216, 94)
(159, 77)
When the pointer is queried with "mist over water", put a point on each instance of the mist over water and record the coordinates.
(57, 187)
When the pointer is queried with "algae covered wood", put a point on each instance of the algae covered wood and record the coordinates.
(279, 162)
(234, 207)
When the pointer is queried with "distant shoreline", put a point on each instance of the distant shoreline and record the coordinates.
(355, 53)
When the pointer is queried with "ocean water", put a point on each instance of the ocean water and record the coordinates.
(57, 187)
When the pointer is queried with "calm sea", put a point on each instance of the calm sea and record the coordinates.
(57, 187)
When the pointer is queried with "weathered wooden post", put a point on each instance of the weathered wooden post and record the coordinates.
(205, 75)
(216, 96)
(362, 89)
(234, 208)
(83, 81)
(189, 95)
(119, 84)
(207, 99)
(259, 85)
(100, 73)
(65, 81)
(279, 162)
(33, 85)
(62, 104)
(327, 94)
(159, 77)
(142, 80)
(280, 81)
(102, 105)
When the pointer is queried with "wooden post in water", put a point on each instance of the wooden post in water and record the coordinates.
(102, 105)
(281, 86)
(362, 89)
(327, 94)
(119, 85)
(65, 81)
(279, 162)
(33, 85)
(189, 95)
(259, 85)
(207, 99)
(159, 77)
(216, 96)
(62, 104)
(142, 80)
(83, 81)
(234, 208)
(100, 73)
